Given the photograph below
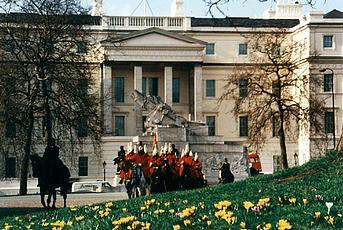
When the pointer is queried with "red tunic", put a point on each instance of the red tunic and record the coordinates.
(154, 161)
(196, 169)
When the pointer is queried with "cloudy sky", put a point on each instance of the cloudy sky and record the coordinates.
(236, 8)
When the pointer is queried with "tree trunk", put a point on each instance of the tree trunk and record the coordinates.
(282, 140)
(48, 120)
(25, 162)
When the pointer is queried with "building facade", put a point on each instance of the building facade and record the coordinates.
(185, 61)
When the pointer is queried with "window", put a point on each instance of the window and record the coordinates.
(81, 48)
(328, 122)
(83, 166)
(10, 128)
(243, 126)
(276, 163)
(119, 89)
(176, 90)
(243, 49)
(143, 123)
(243, 88)
(82, 129)
(275, 126)
(119, 124)
(210, 49)
(328, 82)
(276, 88)
(150, 85)
(211, 123)
(10, 167)
(328, 41)
(210, 88)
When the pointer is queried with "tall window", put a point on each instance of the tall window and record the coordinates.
(276, 163)
(10, 128)
(276, 88)
(243, 87)
(176, 90)
(83, 166)
(328, 82)
(10, 167)
(211, 123)
(327, 41)
(82, 129)
(243, 126)
(275, 126)
(243, 49)
(119, 123)
(119, 89)
(210, 49)
(150, 86)
(210, 88)
(328, 122)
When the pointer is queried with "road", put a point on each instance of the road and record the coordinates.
(18, 205)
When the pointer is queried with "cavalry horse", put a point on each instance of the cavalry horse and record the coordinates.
(134, 180)
(49, 179)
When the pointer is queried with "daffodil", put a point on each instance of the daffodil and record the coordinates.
(176, 227)
(305, 201)
(329, 219)
(284, 225)
(292, 200)
(317, 215)
(248, 205)
(79, 218)
(186, 222)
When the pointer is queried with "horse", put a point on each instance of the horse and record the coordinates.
(134, 180)
(186, 179)
(169, 177)
(49, 179)
(157, 185)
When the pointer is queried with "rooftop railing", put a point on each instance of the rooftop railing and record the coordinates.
(141, 22)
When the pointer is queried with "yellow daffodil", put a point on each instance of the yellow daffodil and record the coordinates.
(248, 205)
(176, 227)
(317, 215)
(329, 219)
(292, 200)
(171, 211)
(95, 208)
(242, 225)
(305, 201)
(143, 208)
(108, 204)
(79, 218)
(284, 225)
(209, 222)
(222, 204)
(186, 222)
(70, 223)
(263, 202)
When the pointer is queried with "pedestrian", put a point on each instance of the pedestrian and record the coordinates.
(225, 174)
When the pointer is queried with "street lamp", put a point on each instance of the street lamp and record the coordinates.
(333, 104)
(104, 167)
(296, 159)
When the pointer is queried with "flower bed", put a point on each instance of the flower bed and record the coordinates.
(306, 197)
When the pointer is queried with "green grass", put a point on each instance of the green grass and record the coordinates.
(318, 181)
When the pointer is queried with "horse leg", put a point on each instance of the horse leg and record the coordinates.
(53, 199)
(64, 194)
(48, 200)
(42, 198)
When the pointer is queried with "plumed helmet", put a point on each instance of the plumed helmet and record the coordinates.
(155, 151)
(135, 148)
(187, 149)
(165, 148)
(182, 153)
(162, 150)
(196, 156)
(191, 153)
(140, 148)
(145, 148)
(170, 149)
(129, 147)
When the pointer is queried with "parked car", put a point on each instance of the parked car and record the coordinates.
(93, 186)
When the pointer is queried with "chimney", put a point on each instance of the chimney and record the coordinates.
(288, 9)
(97, 8)
(176, 8)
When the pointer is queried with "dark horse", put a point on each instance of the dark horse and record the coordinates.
(134, 180)
(51, 174)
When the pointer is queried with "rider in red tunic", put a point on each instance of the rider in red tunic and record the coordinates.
(196, 168)
(154, 161)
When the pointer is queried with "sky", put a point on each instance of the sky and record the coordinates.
(198, 8)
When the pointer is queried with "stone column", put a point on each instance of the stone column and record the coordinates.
(168, 85)
(138, 75)
(197, 92)
(108, 98)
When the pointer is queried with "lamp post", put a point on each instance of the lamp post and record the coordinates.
(333, 104)
(296, 159)
(104, 167)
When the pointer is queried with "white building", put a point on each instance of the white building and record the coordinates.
(185, 61)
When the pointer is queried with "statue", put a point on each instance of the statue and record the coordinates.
(159, 113)
(97, 8)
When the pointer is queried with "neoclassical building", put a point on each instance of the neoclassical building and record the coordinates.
(185, 61)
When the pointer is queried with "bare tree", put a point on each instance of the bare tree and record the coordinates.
(274, 90)
(44, 55)
(217, 5)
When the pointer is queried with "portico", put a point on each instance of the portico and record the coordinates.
(168, 65)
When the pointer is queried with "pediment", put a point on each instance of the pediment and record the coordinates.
(155, 37)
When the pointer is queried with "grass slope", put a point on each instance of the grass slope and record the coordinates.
(291, 199)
